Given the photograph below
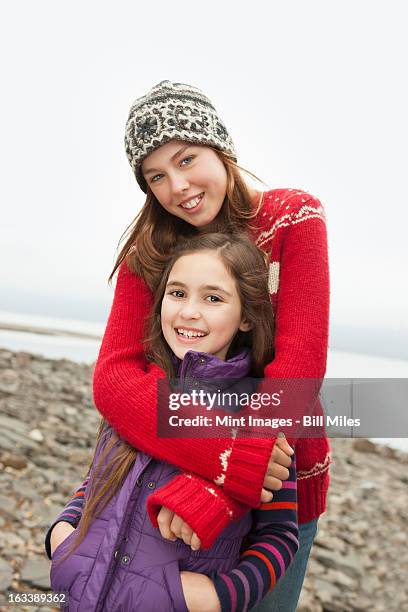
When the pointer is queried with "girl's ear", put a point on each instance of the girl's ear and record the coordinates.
(245, 325)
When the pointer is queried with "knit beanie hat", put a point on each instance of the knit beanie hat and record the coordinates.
(172, 111)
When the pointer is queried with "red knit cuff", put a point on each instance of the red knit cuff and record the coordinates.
(246, 469)
(202, 505)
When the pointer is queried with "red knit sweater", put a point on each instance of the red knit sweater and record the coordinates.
(291, 227)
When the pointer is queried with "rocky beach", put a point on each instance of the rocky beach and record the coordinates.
(47, 430)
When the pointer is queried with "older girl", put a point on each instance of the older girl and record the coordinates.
(185, 161)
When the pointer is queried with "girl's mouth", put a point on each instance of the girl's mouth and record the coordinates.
(189, 335)
(194, 204)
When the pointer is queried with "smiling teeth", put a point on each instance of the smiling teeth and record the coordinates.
(192, 203)
(189, 333)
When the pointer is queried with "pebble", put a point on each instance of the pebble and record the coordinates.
(35, 434)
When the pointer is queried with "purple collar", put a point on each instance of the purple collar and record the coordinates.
(204, 366)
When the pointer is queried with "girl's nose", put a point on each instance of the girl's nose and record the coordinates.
(179, 183)
(189, 310)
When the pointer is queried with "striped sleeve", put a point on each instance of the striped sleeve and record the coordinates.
(71, 513)
(271, 546)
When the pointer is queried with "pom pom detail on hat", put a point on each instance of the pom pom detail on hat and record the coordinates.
(172, 111)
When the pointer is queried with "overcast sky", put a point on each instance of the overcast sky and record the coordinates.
(313, 93)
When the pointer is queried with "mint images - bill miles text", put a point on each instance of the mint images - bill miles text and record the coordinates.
(251, 421)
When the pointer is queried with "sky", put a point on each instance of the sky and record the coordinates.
(312, 93)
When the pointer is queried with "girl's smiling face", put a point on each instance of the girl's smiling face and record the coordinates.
(201, 308)
(189, 181)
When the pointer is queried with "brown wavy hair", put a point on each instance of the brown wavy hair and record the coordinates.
(150, 238)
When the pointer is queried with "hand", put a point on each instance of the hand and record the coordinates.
(199, 593)
(277, 470)
(59, 533)
(172, 526)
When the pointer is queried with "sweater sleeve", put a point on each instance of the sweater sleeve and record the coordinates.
(302, 296)
(204, 506)
(126, 390)
(272, 544)
(299, 282)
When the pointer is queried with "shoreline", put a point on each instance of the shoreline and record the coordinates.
(47, 331)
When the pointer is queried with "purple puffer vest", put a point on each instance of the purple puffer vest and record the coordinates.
(123, 564)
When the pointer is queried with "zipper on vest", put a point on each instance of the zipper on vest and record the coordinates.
(186, 379)
(121, 538)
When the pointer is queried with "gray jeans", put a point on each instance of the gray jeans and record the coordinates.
(285, 595)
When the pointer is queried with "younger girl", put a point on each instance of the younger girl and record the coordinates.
(212, 318)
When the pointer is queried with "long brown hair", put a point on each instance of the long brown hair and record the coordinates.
(154, 232)
(150, 238)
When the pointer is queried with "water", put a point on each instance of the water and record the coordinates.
(340, 364)
(54, 347)
(75, 325)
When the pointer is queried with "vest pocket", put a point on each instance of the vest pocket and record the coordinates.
(157, 589)
(69, 574)
(175, 588)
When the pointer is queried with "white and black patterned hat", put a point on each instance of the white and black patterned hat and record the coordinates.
(172, 111)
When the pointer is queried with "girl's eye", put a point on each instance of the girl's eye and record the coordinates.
(177, 293)
(213, 298)
(184, 162)
(186, 159)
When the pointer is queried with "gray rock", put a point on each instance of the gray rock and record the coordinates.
(314, 568)
(12, 440)
(339, 578)
(371, 583)
(24, 534)
(41, 514)
(365, 604)
(9, 381)
(36, 435)
(7, 507)
(36, 573)
(362, 445)
(307, 603)
(330, 543)
(13, 541)
(51, 476)
(13, 425)
(350, 564)
(6, 575)
(18, 462)
(326, 592)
